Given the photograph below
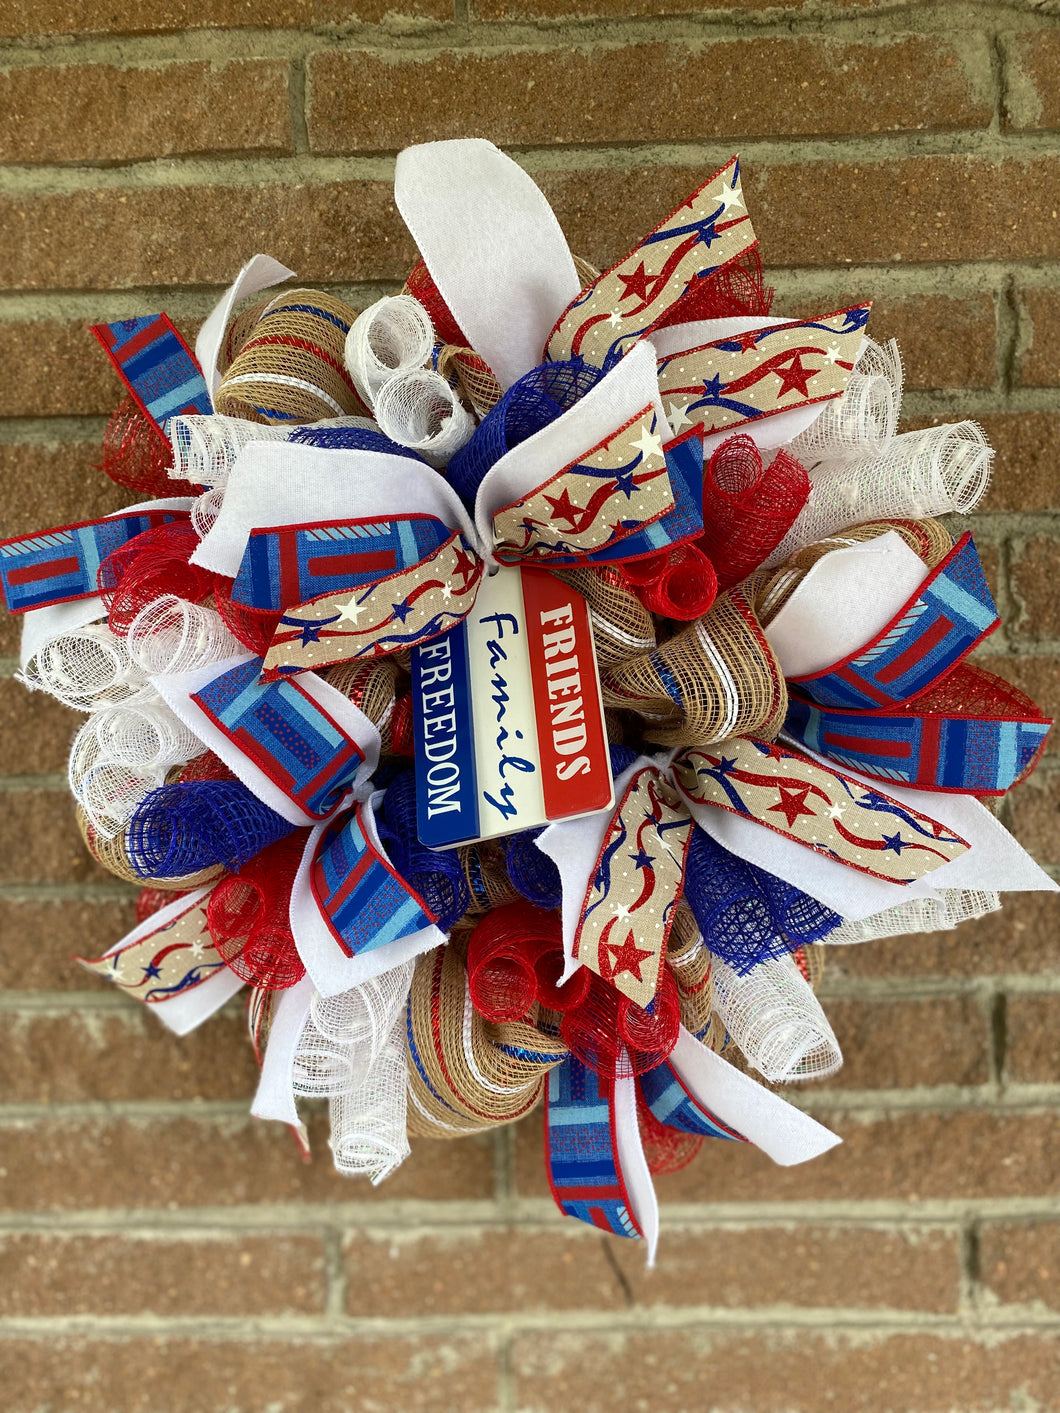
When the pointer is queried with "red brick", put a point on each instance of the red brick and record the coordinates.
(53, 368)
(1036, 817)
(623, 9)
(758, 88)
(1023, 937)
(112, 114)
(45, 1274)
(66, 1164)
(39, 840)
(804, 1266)
(902, 1044)
(1035, 567)
(35, 731)
(1019, 1262)
(57, 484)
(130, 17)
(74, 1374)
(946, 341)
(901, 1155)
(479, 1272)
(1032, 1039)
(796, 1371)
(1039, 358)
(1024, 465)
(41, 936)
(201, 235)
(124, 1055)
(1032, 80)
(832, 213)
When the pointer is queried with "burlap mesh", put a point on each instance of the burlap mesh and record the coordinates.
(715, 679)
(487, 878)
(465, 1073)
(291, 366)
(113, 855)
(690, 962)
(622, 626)
(468, 374)
(371, 687)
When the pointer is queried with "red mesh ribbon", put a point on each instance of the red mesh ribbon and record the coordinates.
(677, 583)
(515, 957)
(148, 566)
(736, 289)
(254, 627)
(152, 899)
(205, 767)
(422, 287)
(401, 743)
(134, 455)
(248, 916)
(748, 508)
(667, 1150)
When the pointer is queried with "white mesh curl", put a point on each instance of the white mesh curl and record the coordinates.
(939, 471)
(344, 1035)
(89, 669)
(205, 447)
(776, 1020)
(864, 419)
(391, 337)
(205, 510)
(421, 411)
(941, 914)
(172, 635)
(369, 1136)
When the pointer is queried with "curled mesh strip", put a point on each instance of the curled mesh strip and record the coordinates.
(187, 826)
(172, 635)
(205, 447)
(420, 410)
(369, 1136)
(205, 510)
(865, 418)
(776, 1020)
(939, 471)
(110, 794)
(941, 914)
(391, 337)
(88, 669)
(345, 1035)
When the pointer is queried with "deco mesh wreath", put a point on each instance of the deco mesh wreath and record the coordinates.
(520, 680)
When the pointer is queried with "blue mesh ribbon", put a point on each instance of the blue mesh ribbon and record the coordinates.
(438, 877)
(183, 828)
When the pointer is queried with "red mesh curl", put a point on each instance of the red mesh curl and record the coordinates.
(685, 588)
(736, 289)
(640, 573)
(422, 287)
(501, 956)
(748, 508)
(148, 566)
(248, 916)
(573, 992)
(151, 900)
(253, 627)
(606, 1020)
(401, 743)
(205, 767)
(137, 455)
(667, 1150)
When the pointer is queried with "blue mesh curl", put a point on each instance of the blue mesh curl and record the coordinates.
(537, 399)
(352, 439)
(191, 825)
(437, 877)
(745, 914)
(533, 874)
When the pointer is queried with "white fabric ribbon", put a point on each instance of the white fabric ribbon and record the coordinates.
(259, 273)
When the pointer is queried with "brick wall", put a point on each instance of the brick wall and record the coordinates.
(158, 1251)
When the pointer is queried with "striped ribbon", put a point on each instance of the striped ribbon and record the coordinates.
(157, 367)
(582, 1159)
(59, 565)
(668, 1097)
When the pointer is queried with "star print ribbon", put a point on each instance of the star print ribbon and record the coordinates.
(745, 377)
(823, 809)
(635, 887)
(705, 233)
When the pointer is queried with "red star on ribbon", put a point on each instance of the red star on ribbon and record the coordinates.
(636, 285)
(626, 956)
(792, 802)
(564, 509)
(794, 377)
(465, 566)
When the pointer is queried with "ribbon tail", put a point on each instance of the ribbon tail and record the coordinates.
(259, 273)
(275, 1097)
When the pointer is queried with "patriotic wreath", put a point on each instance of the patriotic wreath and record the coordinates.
(516, 685)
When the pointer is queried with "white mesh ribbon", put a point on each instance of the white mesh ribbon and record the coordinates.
(940, 914)
(391, 337)
(776, 1020)
(369, 1135)
(206, 509)
(864, 419)
(122, 753)
(89, 669)
(172, 635)
(205, 448)
(939, 471)
(421, 411)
